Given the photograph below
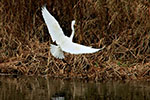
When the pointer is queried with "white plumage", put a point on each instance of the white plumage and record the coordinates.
(57, 52)
(63, 42)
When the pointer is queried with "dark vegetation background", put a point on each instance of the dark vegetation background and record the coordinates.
(123, 26)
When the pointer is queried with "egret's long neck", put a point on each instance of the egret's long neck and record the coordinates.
(72, 27)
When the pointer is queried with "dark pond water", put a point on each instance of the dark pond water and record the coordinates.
(44, 88)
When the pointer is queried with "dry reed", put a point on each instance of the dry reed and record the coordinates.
(123, 26)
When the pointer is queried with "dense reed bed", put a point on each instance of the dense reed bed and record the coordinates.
(123, 26)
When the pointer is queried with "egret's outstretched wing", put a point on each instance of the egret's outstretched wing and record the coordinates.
(53, 26)
(75, 48)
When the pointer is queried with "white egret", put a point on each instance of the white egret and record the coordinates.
(63, 42)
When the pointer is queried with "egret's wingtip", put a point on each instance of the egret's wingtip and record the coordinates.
(102, 48)
(44, 6)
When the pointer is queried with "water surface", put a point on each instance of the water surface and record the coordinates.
(44, 88)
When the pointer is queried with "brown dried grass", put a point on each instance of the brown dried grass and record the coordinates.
(123, 26)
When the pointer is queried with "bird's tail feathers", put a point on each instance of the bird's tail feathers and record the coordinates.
(56, 51)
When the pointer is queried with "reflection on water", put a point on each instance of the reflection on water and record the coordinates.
(43, 88)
